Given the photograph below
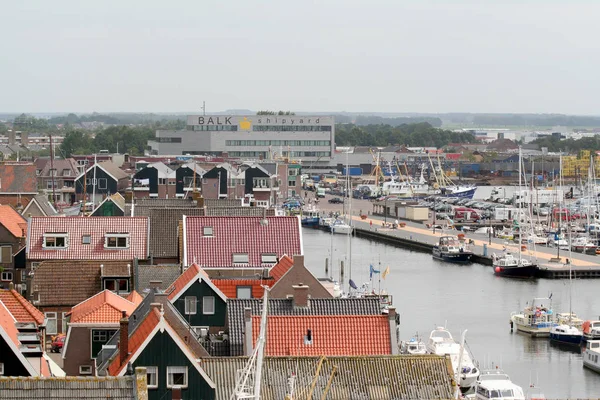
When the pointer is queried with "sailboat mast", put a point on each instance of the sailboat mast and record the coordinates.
(520, 202)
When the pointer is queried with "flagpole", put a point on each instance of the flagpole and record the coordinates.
(379, 278)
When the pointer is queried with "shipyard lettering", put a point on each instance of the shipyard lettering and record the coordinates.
(286, 121)
(214, 121)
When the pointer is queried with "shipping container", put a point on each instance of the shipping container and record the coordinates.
(352, 171)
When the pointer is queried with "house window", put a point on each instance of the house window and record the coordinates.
(177, 377)
(5, 254)
(51, 328)
(207, 231)
(1, 369)
(162, 181)
(190, 305)
(66, 172)
(49, 184)
(120, 285)
(262, 203)
(99, 338)
(34, 266)
(292, 182)
(116, 241)
(240, 258)
(85, 370)
(56, 241)
(244, 292)
(102, 183)
(172, 182)
(268, 258)
(152, 377)
(7, 276)
(208, 305)
(86, 239)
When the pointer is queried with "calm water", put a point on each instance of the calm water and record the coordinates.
(429, 293)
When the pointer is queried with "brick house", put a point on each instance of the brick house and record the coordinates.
(13, 228)
(58, 172)
(18, 183)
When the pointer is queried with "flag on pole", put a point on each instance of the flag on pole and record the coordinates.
(386, 272)
(372, 271)
(353, 285)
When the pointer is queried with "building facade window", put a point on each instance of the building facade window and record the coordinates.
(51, 323)
(6, 276)
(162, 181)
(116, 241)
(207, 231)
(102, 183)
(86, 239)
(244, 292)
(99, 338)
(152, 377)
(177, 377)
(5, 254)
(190, 305)
(268, 258)
(208, 305)
(117, 285)
(85, 370)
(56, 240)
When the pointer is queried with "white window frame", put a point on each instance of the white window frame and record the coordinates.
(201, 331)
(47, 236)
(48, 317)
(208, 231)
(237, 292)
(177, 370)
(85, 370)
(162, 181)
(190, 305)
(1, 369)
(102, 181)
(154, 372)
(211, 302)
(268, 258)
(117, 286)
(240, 258)
(7, 276)
(116, 236)
(262, 203)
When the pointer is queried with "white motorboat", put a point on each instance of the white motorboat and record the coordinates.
(339, 226)
(591, 330)
(569, 319)
(441, 343)
(536, 319)
(413, 346)
(495, 384)
(591, 355)
(583, 244)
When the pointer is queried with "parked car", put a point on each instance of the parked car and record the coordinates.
(58, 342)
(336, 200)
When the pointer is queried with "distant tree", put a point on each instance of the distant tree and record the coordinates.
(280, 112)
(76, 141)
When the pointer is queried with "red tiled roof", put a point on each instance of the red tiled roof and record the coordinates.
(18, 178)
(231, 235)
(332, 335)
(135, 297)
(96, 227)
(229, 286)
(135, 340)
(183, 280)
(283, 266)
(105, 307)
(20, 308)
(13, 221)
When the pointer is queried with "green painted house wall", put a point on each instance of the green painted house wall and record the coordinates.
(162, 351)
(108, 209)
(200, 290)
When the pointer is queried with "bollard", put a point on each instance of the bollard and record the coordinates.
(485, 250)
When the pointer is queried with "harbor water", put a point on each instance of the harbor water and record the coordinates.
(429, 293)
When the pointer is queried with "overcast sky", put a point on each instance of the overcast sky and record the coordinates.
(345, 55)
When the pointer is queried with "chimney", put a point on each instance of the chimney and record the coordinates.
(248, 347)
(300, 297)
(298, 261)
(11, 286)
(123, 337)
(393, 336)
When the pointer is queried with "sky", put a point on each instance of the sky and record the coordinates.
(492, 56)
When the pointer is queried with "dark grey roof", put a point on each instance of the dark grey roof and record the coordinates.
(238, 212)
(164, 273)
(164, 223)
(353, 306)
(373, 377)
(142, 207)
(212, 203)
(41, 200)
(271, 168)
(109, 387)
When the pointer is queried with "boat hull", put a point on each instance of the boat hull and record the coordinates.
(310, 222)
(566, 338)
(463, 194)
(456, 258)
(535, 331)
(526, 271)
(343, 230)
(584, 249)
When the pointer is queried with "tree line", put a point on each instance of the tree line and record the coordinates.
(418, 134)
(126, 139)
(554, 144)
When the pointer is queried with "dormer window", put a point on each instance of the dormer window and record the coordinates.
(56, 240)
(116, 241)
(207, 231)
(268, 258)
(240, 258)
(66, 172)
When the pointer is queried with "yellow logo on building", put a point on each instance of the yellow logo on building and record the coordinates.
(246, 124)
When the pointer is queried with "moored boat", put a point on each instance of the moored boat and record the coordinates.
(450, 249)
(495, 384)
(591, 355)
(591, 330)
(535, 320)
(566, 334)
(583, 244)
(310, 218)
(413, 346)
(511, 266)
(339, 226)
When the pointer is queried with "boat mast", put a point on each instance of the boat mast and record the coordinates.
(520, 202)
(460, 357)
(560, 201)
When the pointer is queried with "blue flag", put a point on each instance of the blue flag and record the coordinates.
(353, 285)
(372, 271)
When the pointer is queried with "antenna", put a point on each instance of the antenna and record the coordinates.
(203, 107)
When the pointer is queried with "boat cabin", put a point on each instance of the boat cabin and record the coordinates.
(591, 356)
(495, 384)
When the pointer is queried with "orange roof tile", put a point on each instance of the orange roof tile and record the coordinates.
(229, 286)
(135, 297)
(283, 266)
(332, 335)
(135, 340)
(7, 322)
(105, 307)
(20, 308)
(13, 221)
(185, 278)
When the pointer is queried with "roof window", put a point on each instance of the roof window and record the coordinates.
(240, 258)
(268, 258)
(207, 231)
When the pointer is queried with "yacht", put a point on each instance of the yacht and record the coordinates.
(509, 265)
(566, 334)
(339, 226)
(414, 346)
(583, 244)
(591, 330)
(450, 249)
(591, 355)
(495, 384)
(570, 319)
(441, 343)
(536, 319)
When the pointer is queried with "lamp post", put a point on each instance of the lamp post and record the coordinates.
(385, 212)
(434, 213)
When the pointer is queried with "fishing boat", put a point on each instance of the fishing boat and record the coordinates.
(591, 330)
(310, 218)
(441, 343)
(450, 249)
(495, 384)
(583, 244)
(535, 320)
(510, 266)
(591, 355)
(413, 346)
